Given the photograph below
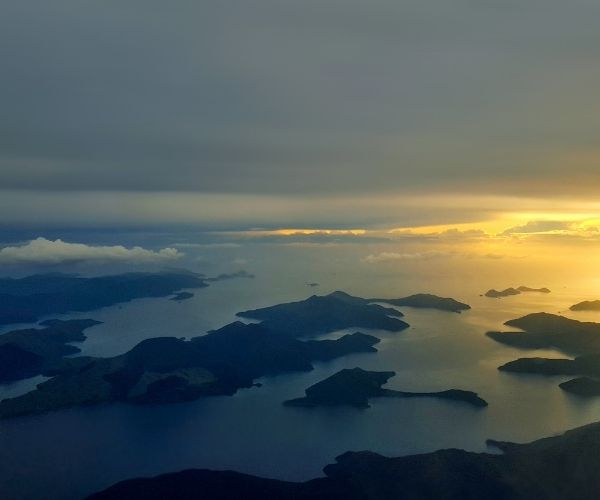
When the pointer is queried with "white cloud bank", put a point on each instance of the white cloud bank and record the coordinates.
(391, 256)
(43, 251)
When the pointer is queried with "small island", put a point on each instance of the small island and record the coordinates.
(587, 367)
(427, 301)
(586, 305)
(230, 276)
(354, 387)
(496, 294)
(544, 366)
(582, 386)
(536, 290)
(514, 291)
(182, 296)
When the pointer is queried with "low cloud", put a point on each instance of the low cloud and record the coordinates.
(392, 256)
(43, 251)
(539, 227)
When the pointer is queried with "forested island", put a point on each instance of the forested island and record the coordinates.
(354, 387)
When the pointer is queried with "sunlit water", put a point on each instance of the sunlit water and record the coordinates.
(69, 454)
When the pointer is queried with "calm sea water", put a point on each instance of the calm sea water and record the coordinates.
(68, 454)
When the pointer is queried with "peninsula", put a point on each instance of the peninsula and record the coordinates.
(29, 352)
(354, 387)
(169, 370)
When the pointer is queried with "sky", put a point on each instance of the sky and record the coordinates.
(389, 117)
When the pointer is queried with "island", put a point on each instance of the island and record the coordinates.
(514, 291)
(586, 305)
(25, 300)
(563, 467)
(536, 290)
(549, 366)
(29, 352)
(543, 330)
(320, 314)
(546, 330)
(170, 370)
(587, 385)
(354, 387)
(582, 386)
(493, 293)
(230, 276)
(182, 296)
(324, 314)
(427, 301)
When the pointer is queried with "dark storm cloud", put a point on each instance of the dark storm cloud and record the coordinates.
(276, 96)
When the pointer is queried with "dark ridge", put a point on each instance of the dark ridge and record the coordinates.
(563, 467)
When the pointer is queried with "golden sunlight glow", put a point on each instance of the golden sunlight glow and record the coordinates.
(306, 232)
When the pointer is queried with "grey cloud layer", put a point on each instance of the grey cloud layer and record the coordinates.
(280, 96)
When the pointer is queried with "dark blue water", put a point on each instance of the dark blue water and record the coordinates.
(71, 453)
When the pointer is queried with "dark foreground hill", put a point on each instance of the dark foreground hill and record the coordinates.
(557, 468)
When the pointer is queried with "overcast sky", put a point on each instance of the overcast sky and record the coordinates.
(237, 107)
